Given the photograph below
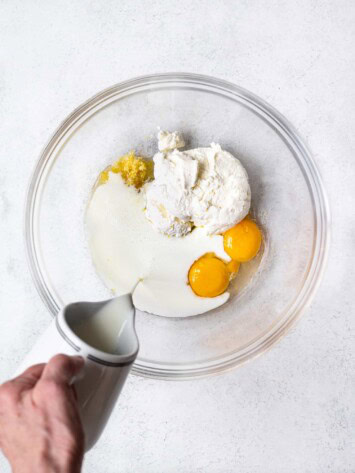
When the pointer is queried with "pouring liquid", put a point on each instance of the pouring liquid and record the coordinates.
(107, 329)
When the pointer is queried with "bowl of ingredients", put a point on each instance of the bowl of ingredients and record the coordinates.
(195, 195)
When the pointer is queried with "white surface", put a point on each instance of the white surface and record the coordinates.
(292, 409)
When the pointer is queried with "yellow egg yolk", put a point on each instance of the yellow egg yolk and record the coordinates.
(242, 242)
(233, 268)
(209, 276)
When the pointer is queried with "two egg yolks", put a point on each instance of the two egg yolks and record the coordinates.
(209, 276)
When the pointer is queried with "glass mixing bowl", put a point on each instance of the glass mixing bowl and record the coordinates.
(288, 201)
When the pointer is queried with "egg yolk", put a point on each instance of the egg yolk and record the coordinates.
(209, 276)
(233, 268)
(242, 242)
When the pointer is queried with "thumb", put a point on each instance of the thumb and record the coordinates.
(62, 368)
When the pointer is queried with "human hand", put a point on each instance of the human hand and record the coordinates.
(40, 427)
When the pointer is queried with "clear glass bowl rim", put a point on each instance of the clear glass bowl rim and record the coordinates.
(320, 209)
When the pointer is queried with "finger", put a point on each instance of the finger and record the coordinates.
(14, 388)
(62, 368)
(54, 384)
(29, 377)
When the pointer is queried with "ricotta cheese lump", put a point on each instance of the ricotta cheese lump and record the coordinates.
(201, 187)
(168, 141)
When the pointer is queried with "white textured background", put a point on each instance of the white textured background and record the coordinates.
(292, 410)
